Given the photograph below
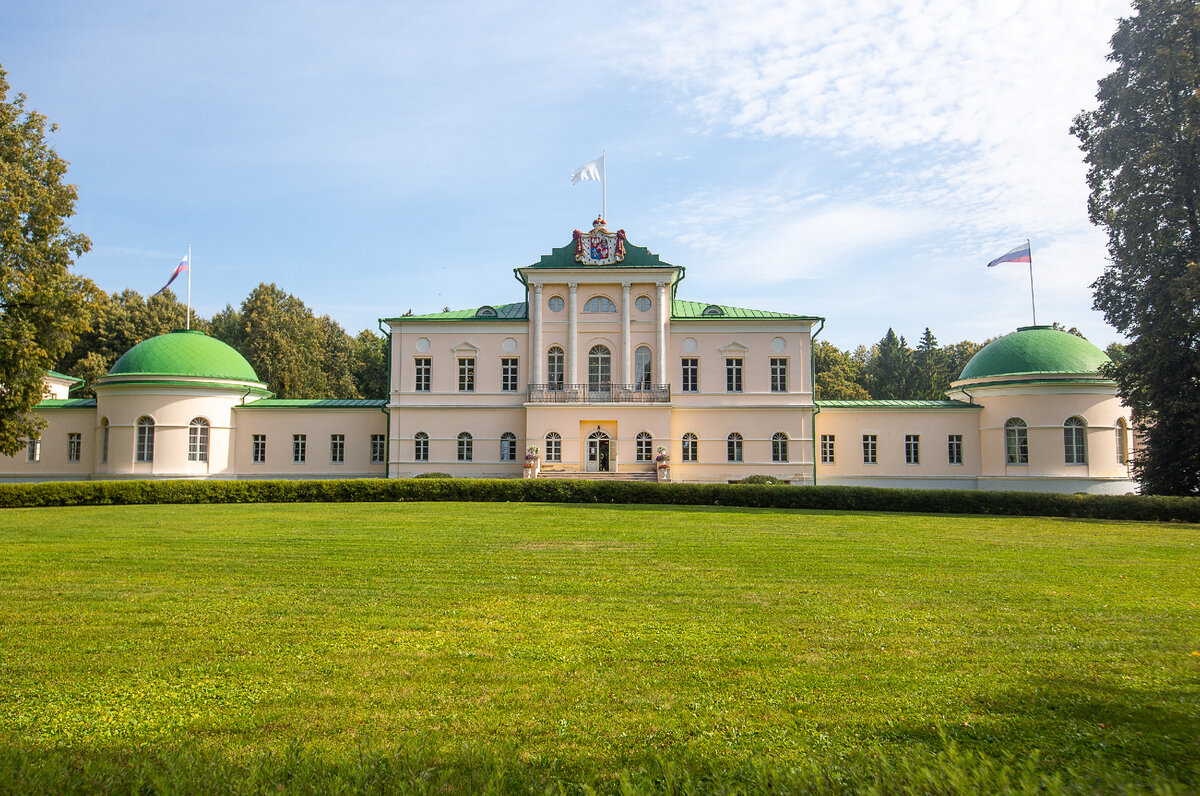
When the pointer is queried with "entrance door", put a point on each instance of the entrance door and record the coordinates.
(598, 452)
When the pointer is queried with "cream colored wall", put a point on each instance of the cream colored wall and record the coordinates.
(1044, 408)
(443, 425)
(712, 428)
(172, 409)
(53, 463)
(622, 423)
(447, 342)
(279, 425)
(891, 426)
(718, 340)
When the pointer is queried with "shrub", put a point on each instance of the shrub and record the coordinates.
(769, 480)
(433, 475)
(440, 487)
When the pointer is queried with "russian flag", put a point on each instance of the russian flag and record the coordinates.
(183, 266)
(1017, 255)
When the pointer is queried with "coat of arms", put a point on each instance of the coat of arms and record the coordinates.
(599, 247)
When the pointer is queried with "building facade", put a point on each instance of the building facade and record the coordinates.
(599, 370)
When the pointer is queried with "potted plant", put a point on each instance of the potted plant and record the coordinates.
(663, 458)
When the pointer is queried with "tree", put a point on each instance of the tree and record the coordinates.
(836, 374)
(40, 299)
(116, 323)
(369, 366)
(930, 379)
(1142, 148)
(890, 371)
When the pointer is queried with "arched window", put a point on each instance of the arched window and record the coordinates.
(144, 447)
(779, 447)
(599, 367)
(691, 447)
(733, 446)
(599, 304)
(485, 311)
(1016, 441)
(1122, 431)
(104, 440)
(198, 440)
(1075, 440)
(641, 367)
(508, 447)
(554, 368)
(645, 443)
(553, 447)
(465, 447)
(713, 309)
(420, 447)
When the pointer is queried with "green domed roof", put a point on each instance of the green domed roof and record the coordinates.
(183, 353)
(1034, 350)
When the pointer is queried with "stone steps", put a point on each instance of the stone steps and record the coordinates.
(579, 475)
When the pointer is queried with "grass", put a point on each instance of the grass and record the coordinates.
(512, 647)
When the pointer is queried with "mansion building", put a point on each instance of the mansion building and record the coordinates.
(599, 370)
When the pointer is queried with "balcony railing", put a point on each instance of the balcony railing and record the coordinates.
(603, 393)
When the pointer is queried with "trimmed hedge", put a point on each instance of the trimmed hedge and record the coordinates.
(836, 498)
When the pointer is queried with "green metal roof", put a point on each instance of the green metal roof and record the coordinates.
(1034, 350)
(184, 353)
(887, 403)
(66, 403)
(635, 257)
(64, 376)
(517, 311)
(695, 310)
(315, 403)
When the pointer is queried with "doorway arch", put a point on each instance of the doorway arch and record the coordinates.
(598, 452)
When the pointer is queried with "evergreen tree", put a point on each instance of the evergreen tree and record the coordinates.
(1142, 147)
(40, 299)
(930, 380)
(889, 373)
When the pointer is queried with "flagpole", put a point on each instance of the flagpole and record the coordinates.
(603, 185)
(1032, 300)
(188, 322)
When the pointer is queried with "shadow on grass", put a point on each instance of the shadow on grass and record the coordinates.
(1111, 735)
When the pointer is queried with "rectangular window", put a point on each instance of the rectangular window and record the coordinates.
(954, 445)
(466, 374)
(733, 374)
(691, 375)
(422, 377)
(554, 368)
(299, 448)
(378, 449)
(778, 374)
(337, 448)
(870, 448)
(35, 450)
(827, 452)
(912, 448)
(508, 375)
(74, 447)
(258, 449)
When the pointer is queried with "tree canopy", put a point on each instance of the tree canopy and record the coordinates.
(1142, 148)
(40, 298)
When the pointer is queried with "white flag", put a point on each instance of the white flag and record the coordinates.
(589, 171)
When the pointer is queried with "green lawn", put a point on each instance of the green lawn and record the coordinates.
(539, 643)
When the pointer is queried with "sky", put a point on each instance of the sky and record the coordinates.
(857, 160)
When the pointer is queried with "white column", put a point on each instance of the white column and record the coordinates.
(536, 353)
(661, 356)
(572, 334)
(626, 363)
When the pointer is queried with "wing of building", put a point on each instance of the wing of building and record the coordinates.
(599, 369)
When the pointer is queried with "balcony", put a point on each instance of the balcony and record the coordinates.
(602, 393)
